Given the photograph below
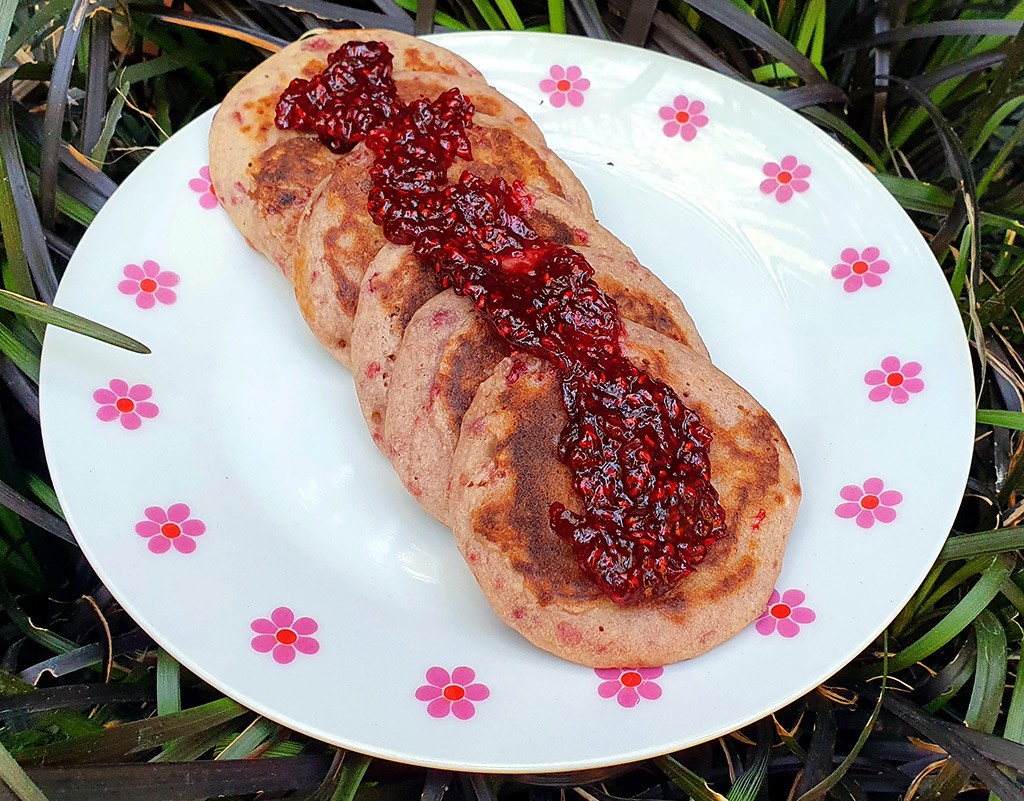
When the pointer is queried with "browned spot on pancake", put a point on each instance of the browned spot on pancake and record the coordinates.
(262, 108)
(750, 442)
(655, 362)
(416, 61)
(470, 357)
(284, 174)
(644, 309)
(519, 526)
(404, 289)
(347, 291)
(739, 577)
(501, 152)
(551, 226)
(491, 106)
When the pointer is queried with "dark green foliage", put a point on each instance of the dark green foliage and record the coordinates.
(930, 95)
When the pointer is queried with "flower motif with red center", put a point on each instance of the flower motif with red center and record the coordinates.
(149, 284)
(629, 685)
(863, 268)
(785, 178)
(129, 404)
(683, 117)
(784, 614)
(171, 527)
(454, 693)
(566, 85)
(203, 185)
(282, 635)
(869, 503)
(894, 380)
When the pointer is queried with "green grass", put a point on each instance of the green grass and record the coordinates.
(931, 99)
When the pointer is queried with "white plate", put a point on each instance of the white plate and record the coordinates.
(258, 432)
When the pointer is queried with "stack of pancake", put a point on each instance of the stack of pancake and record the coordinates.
(470, 428)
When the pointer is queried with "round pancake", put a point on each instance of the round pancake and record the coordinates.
(338, 239)
(433, 391)
(265, 176)
(506, 476)
(448, 350)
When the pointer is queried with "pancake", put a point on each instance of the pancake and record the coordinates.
(265, 176)
(338, 239)
(448, 350)
(506, 476)
(395, 285)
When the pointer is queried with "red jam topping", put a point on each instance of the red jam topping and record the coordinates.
(638, 456)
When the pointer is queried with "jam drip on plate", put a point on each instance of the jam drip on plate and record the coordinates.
(638, 456)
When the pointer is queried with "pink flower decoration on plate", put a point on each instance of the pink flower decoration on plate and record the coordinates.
(566, 85)
(283, 635)
(785, 178)
(454, 692)
(173, 526)
(858, 269)
(784, 614)
(629, 685)
(895, 380)
(204, 186)
(129, 404)
(149, 284)
(684, 117)
(869, 503)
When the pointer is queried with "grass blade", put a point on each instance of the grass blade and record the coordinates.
(748, 785)
(983, 543)
(959, 618)
(556, 14)
(989, 675)
(70, 321)
(182, 781)
(16, 351)
(687, 781)
(254, 735)
(761, 35)
(56, 106)
(23, 507)
(168, 684)
(127, 738)
(17, 780)
(351, 777)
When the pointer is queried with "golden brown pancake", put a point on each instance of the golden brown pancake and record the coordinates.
(265, 177)
(506, 476)
(448, 350)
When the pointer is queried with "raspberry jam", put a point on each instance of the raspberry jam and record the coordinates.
(638, 456)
